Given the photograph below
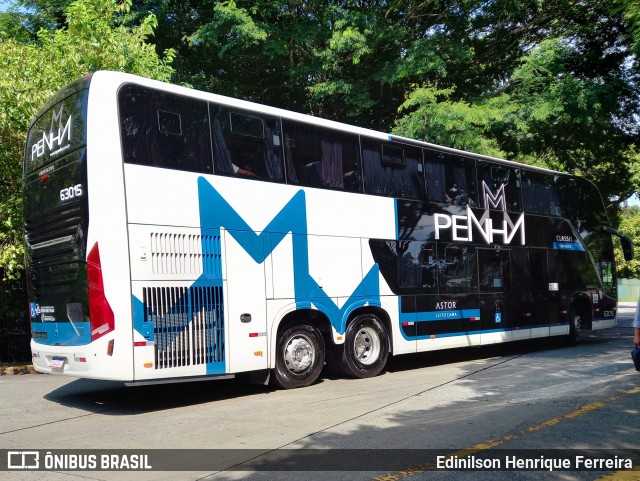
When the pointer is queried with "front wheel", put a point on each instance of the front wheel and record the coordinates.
(575, 328)
(366, 347)
(299, 357)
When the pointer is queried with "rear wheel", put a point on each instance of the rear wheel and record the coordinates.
(366, 347)
(299, 357)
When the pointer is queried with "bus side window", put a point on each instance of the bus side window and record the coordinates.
(538, 270)
(409, 267)
(500, 187)
(393, 170)
(417, 268)
(540, 193)
(320, 157)
(457, 268)
(581, 203)
(572, 270)
(246, 144)
(164, 130)
(494, 267)
(450, 179)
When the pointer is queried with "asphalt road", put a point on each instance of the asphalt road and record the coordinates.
(533, 395)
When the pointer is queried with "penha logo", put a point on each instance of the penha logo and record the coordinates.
(463, 226)
(57, 140)
(493, 200)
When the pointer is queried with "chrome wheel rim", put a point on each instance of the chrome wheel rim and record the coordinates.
(299, 354)
(367, 346)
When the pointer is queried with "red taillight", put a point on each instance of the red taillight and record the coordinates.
(100, 313)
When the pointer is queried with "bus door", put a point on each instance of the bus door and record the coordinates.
(543, 309)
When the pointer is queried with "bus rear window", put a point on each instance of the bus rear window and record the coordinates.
(59, 131)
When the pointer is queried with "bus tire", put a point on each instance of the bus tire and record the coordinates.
(300, 357)
(575, 327)
(366, 347)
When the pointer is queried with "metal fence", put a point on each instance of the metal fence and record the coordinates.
(15, 330)
(628, 290)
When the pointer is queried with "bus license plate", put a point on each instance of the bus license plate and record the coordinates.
(56, 362)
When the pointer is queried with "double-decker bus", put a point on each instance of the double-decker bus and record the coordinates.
(173, 234)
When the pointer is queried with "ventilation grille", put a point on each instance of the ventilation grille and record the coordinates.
(54, 235)
(186, 254)
(188, 325)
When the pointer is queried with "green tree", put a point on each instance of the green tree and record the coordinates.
(94, 38)
(565, 89)
(629, 226)
(546, 82)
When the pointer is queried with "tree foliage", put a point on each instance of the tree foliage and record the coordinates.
(32, 69)
(629, 226)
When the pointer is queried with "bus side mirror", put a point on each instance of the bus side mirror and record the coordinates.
(627, 248)
(627, 245)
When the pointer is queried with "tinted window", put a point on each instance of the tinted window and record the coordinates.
(417, 268)
(320, 157)
(582, 204)
(540, 193)
(59, 131)
(161, 129)
(450, 179)
(408, 267)
(572, 270)
(499, 187)
(246, 144)
(392, 170)
(457, 268)
(494, 270)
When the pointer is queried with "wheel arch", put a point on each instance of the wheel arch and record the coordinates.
(381, 314)
(581, 304)
(293, 315)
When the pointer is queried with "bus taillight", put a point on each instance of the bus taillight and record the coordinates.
(100, 312)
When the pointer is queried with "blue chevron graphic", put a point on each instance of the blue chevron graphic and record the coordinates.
(217, 213)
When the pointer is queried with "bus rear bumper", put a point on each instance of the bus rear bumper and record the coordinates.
(70, 361)
(77, 361)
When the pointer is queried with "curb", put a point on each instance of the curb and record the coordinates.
(16, 369)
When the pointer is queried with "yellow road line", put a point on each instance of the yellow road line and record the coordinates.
(492, 443)
(626, 475)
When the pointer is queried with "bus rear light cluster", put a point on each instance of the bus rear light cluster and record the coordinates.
(100, 312)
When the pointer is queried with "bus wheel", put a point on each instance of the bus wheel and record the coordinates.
(299, 357)
(575, 327)
(366, 347)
